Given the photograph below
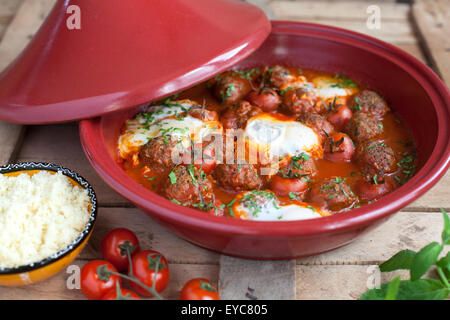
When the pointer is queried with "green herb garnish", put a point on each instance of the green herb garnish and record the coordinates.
(172, 177)
(418, 264)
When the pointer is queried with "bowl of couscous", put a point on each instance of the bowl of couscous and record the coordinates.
(47, 215)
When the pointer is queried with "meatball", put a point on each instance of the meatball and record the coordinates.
(231, 88)
(332, 193)
(370, 102)
(237, 115)
(375, 160)
(158, 152)
(300, 101)
(299, 166)
(362, 127)
(278, 76)
(203, 114)
(188, 186)
(237, 177)
(317, 122)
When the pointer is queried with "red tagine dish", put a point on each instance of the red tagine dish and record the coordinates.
(339, 131)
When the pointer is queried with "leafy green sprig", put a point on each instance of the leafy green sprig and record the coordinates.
(418, 264)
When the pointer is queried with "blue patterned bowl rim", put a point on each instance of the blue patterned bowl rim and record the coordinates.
(83, 234)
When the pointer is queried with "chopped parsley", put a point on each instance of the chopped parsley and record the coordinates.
(347, 82)
(286, 89)
(172, 177)
(407, 166)
(245, 74)
(357, 106)
(251, 198)
(190, 169)
(293, 196)
(375, 179)
(229, 88)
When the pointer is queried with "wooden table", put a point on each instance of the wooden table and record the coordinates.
(421, 29)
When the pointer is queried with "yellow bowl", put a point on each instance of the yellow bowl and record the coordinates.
(43, 269)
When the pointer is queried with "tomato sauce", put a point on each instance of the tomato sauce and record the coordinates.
(395, 135)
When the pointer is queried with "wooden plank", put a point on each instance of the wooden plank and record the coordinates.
(150, 234)
(437, 197)
(338, 10)
(432, 18)
(405, 230)
(395, 27)
(391, 31)
(8, 9)
(413, 49)
(347, 282)
(28, 19)
(366, 1)
(57, 288)
(241, 279)
(331, 282)
(10, 140)
(264, 5)
(60, 144)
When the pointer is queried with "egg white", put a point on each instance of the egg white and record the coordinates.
(270, 209)
(165, 120)
(279, 137)
(327, 87)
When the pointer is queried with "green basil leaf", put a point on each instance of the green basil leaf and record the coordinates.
(422, 289)
(424, 259)
(446, 232)
(375, 294)
(444, 264)
(392, 289)
(401, 260)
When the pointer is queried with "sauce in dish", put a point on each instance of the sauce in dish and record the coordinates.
(270, 143)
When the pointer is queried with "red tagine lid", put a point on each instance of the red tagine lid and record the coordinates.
(95, 57)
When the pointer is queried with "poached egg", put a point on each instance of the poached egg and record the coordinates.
(277, 137)
(170, 119)
(262, 205)
(327, 87)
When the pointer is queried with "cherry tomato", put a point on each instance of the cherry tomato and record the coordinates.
(208, 161)
(144, 268)
(339, 148)
(124, 294)
(267, 99)
(203, 114)
(370, 191)
(199, 289)
(95, 282)
(340, 117)
(283, 186)
(114, 246)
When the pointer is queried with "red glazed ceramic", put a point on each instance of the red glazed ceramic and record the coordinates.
(410, 87)
(126, 53)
